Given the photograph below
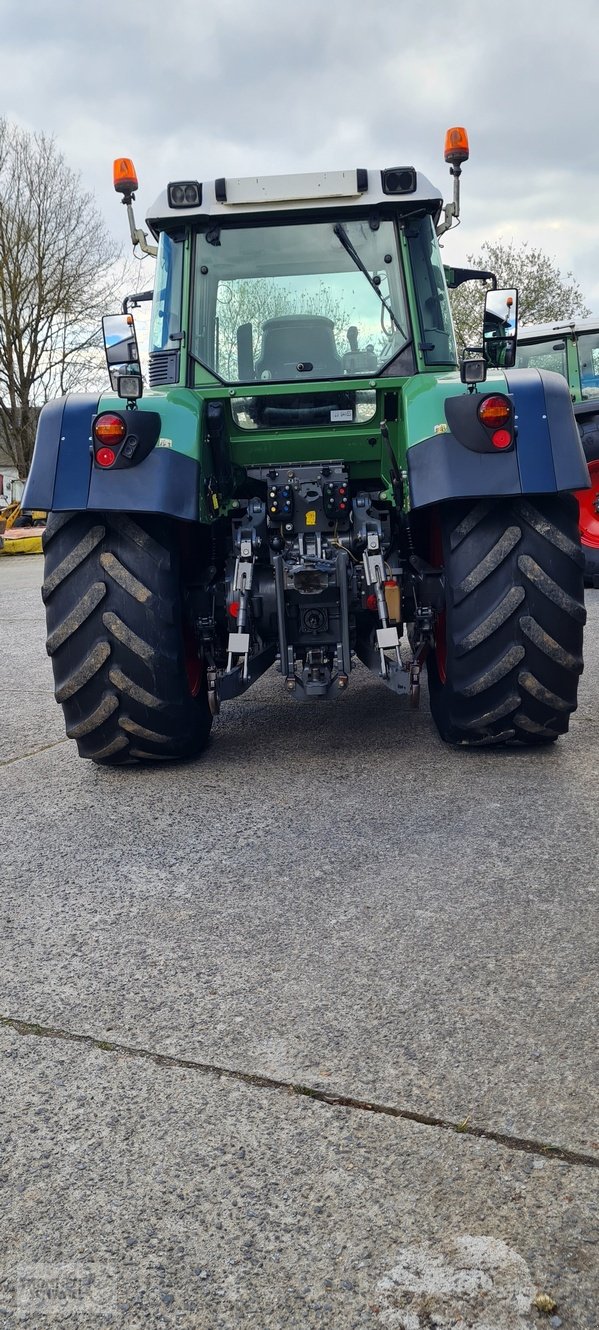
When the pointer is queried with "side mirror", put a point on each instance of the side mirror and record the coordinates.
(500, 328)
(122, 355)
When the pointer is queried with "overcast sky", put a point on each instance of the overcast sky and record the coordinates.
(204, 88)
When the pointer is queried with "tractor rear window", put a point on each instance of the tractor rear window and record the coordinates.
(548, 354)
(290, 303)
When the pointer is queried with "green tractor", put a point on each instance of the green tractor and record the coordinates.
(312, 479)
(572, 350)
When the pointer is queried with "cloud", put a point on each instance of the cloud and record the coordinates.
(227, 87)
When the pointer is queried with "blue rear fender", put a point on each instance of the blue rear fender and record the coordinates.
(547, 456)
(64, 477)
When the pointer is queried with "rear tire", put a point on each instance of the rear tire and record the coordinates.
(508, 650)
(125, 668)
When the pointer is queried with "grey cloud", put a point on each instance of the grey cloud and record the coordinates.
(237, 86)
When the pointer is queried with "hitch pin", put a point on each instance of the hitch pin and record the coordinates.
(243, 601)
(381, 601)
(383, 619)
(241, 622)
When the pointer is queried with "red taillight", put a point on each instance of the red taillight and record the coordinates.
(105, 456)
(495, 411)
(234, 609)
(501, 438)
(109, 428)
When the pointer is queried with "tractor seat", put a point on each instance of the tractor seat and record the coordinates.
(295, 339)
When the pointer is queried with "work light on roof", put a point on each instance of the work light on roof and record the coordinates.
(184, 194)
(399, 180)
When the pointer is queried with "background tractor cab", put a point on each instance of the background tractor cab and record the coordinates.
(571, 349)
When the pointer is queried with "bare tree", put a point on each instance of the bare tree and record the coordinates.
(544, 294)
(57, 276)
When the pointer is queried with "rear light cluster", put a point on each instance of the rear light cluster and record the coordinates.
(496, 414)
(109, 431)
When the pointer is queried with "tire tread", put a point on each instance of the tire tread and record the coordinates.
(514, 621)
(115, 618)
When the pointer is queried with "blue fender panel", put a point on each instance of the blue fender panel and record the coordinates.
(59, 476)
(550, 454)
(548, 458)
(165, 482)
(441, 468)
(63, 478)
(74, 455)
(39, 487)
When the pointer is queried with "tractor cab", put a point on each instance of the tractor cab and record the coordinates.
(299, 279)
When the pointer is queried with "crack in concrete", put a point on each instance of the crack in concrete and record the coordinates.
(24, 757)
(525, 1144)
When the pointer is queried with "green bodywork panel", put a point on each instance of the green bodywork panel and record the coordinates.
(182, 430)
(420, 415)
(181, 414)
(423, 401)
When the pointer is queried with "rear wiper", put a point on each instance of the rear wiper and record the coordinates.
(343, 237)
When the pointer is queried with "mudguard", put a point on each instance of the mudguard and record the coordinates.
(547, 458)
(63, 478)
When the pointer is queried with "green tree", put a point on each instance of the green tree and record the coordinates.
(57, 276)
(544, 293)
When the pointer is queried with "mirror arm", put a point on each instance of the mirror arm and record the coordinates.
(457, 276)
(135, 299)
(451, 212)
(138, 236)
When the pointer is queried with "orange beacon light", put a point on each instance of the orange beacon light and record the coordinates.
(124, 176)
(457, 149)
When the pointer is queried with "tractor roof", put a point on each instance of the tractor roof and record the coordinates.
(535, 331)
(261, 196)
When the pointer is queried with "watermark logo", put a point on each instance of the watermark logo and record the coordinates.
(44, 1289)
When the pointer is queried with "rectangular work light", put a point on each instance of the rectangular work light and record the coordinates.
(184, 194)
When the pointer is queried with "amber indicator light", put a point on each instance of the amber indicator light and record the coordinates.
(110, 428)
(494, 411)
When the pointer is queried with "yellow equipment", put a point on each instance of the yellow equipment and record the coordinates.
(20, 533)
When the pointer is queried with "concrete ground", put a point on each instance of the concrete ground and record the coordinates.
(300, 1034)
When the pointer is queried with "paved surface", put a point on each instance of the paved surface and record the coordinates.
(330, 900)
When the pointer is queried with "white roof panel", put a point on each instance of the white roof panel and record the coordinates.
(261, 195)
(533, 332)
(291, 188)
